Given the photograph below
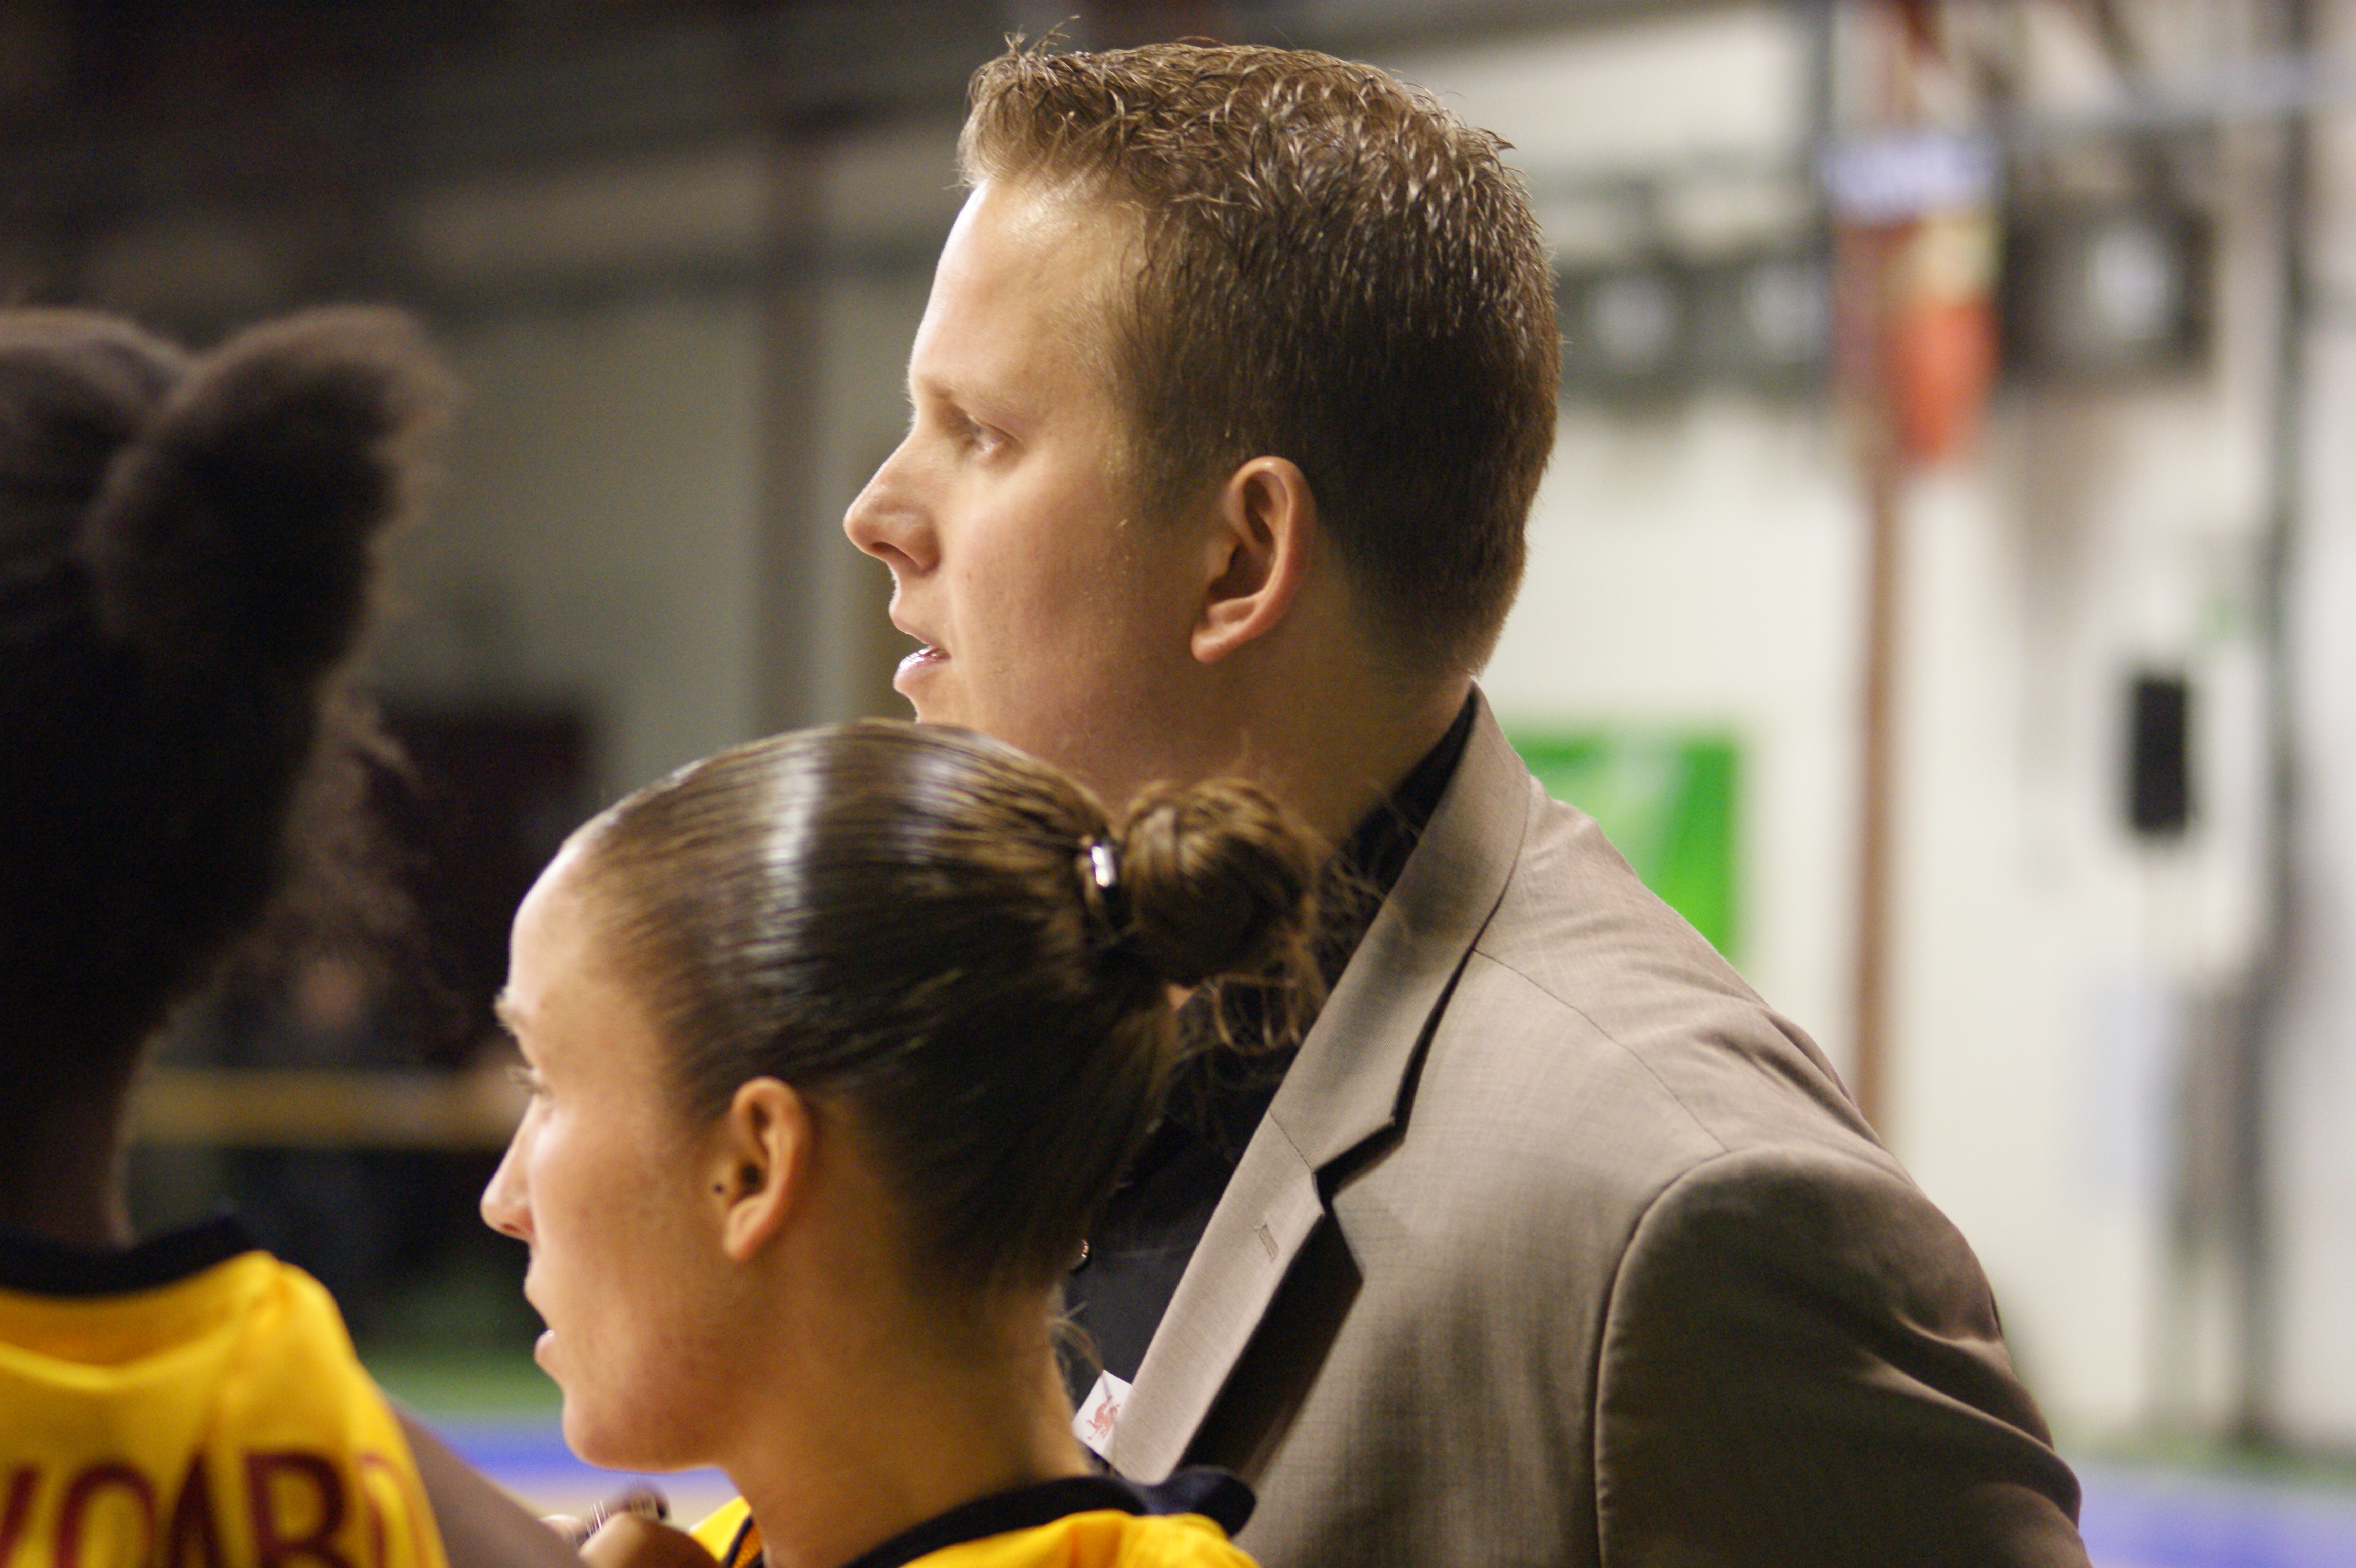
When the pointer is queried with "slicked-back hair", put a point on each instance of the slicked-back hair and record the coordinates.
(1334, 269)
(949, 940)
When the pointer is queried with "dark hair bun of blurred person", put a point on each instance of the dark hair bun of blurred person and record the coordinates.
(236, 532)
(1218, 882)
(187, 562)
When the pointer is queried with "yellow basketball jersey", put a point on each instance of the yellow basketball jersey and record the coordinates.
(1096, 1522)
(215, 1420)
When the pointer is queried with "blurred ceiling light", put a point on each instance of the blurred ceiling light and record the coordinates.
(1899, 178)
(1758, 321)
(2132, 281)
(1633, 319)
(2105, 291)
(1761, 320)
(1784, 307)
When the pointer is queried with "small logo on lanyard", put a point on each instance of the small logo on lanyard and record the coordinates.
(1099, 1413)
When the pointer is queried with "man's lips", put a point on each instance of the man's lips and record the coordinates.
(928, 654)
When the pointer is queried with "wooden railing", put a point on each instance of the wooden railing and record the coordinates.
(327, 1108)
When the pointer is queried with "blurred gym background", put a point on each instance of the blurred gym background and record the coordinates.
(1943, 590)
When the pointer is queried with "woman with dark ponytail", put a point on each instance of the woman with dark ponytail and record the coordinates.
(837, 1041)
(188, 550)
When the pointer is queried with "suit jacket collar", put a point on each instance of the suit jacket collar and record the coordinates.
(1347, 1087)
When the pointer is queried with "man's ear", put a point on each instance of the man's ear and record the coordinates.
(759, 1164)
(1262, 539)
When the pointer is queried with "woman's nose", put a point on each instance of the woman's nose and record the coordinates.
(506, 1205)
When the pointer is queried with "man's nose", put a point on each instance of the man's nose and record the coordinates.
(888, 520)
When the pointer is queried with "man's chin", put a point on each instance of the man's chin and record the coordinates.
(929, 700)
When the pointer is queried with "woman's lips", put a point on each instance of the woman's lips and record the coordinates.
(917, 661)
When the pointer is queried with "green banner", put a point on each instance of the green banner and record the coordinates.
(1667, 799)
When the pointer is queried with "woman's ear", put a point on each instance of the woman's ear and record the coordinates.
(759, 1165)
(1260, 546)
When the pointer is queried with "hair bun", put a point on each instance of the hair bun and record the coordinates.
(1220, 880)
(237, 529)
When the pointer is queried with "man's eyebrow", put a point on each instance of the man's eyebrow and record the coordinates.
(934, 387)
(999, 404)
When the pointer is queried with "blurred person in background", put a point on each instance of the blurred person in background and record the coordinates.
(836, 1043)
(188, 563)
(1552, 1243)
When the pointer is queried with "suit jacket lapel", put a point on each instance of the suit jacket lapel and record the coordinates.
(1345, 1088)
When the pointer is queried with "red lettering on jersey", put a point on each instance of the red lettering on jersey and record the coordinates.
(275, 1544)
(87, 1485)
(19, 1510)
(394, 1499)
(193, 1538)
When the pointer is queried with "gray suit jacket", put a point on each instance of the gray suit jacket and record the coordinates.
(1557, 1246)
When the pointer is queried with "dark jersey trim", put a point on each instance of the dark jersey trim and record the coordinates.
(39, 1267)
(1214, 1494)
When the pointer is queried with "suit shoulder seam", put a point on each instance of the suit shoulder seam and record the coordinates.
(1666, 1088)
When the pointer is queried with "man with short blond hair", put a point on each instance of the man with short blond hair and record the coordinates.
(1239, 333)
(1551, 1243)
